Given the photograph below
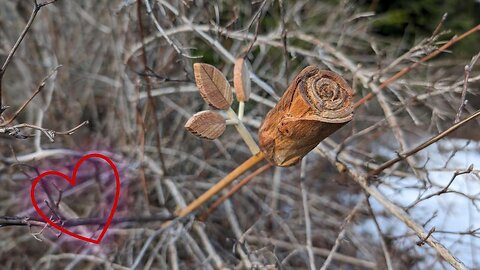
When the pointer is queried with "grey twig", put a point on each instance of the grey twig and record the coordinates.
(463, 101)
(6, 221)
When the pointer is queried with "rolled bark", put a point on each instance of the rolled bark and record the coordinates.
(316, 104)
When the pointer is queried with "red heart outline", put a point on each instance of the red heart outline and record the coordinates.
(72, 181)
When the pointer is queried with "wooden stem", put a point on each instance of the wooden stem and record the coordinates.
(241, 110)
(221, 184)
(234, 190)
(242, 130)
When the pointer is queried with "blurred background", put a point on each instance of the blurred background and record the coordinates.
(126, 67)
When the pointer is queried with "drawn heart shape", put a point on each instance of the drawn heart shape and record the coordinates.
(72, 181)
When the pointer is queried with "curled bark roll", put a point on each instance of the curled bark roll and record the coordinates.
(315, 105)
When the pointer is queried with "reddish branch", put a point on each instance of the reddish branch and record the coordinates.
(151, 100)
(406, 70)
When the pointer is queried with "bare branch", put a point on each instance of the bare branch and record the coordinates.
(424, 145)
(39, 89)
(6, 221)
(463, 102)
(12, 51)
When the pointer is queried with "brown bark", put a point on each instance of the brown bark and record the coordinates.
(315, 105)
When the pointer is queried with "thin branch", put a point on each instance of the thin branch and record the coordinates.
(284, 36)
(242, 130)
(40, 87)
(340, 236)
(406, 70)
(388, 260)
(15, 131)
(162, 31)
(400, 214)
(319, 251)
(220, 185)
(424, 145)
(421, 242)
(439, 25)
(13, 50)
(214, 43)
(362, 179)
(445, 189)
(89, 259)
(256, 19)
(71, 131)
(151, 100)
(306, 214)
(232, 191)
(463, 102)
(6, 221)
